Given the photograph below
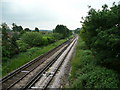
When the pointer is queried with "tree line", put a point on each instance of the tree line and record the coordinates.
(18, 40)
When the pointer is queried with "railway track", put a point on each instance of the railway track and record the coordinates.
(29, 74)
(44, 78)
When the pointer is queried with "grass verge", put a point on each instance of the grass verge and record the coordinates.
(87, 74)
(27, 56)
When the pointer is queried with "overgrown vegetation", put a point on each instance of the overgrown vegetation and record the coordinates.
(25, 57)
(97, 60)
(87, 74)
(17, 39)
(101, 32)
(32, 39)
(17, 43)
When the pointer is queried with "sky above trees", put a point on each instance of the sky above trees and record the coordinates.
(46, 14)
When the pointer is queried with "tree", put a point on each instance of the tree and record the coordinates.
(27, 29)
(9, 47)
(77, 30)
(20, 28)
(101, 32)
(17, 28)
(4, 28)
(36, 29)
(62, 30)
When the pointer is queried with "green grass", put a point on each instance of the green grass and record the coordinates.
(25, 57)
(87, 74)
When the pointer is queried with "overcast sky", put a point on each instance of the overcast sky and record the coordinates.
(46, 14)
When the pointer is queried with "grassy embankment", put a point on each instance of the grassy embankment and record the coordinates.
(87, 74)
(27, 56)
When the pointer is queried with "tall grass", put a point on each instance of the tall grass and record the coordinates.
(27, 56)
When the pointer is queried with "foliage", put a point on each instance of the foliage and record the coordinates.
(50, 39)
(21, 59)
(57, 36)
(77, 30)
(18, 43)
(32, 39)
(87, 74)
(17, 40)
(62, 30)
(101, 32)
(36, 29)
(45, 39)
(97, 77)
(17, 28)
(21, 45)
(27, 30)
(37, 39)
(9, 47)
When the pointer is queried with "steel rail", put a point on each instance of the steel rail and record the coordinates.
(10, 75)
(42, 71)
(39, 75)
(22, 77)
(48, 83)
(27, 64)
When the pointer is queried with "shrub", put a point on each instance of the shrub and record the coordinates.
(97, 78)
(86, 73)
(51, 39)
(57, 36)
(32, 38)
(101, 32)
(5, 59)
(83, 46)
(84, 57)
(5, 51)
(45, 41)
(21, 45)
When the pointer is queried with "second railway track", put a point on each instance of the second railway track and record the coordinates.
(27, 75)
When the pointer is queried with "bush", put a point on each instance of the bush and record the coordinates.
(32, 38)
(51, 39)
(101, 32)
(22, 46)
(96, 77)
(57, 36)
(83, 46)
(5, 51)
(45, 41)
(84, 57)
(86, 73)
(5, 59)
